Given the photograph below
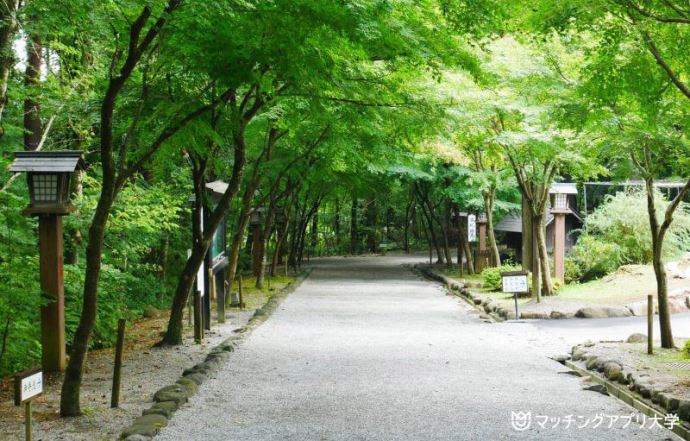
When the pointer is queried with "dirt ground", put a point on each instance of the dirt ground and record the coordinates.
(146, 369)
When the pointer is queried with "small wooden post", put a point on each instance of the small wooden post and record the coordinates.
(239, 289)
(27, 419)
(117, 370)
(198, 322)
(650, 324)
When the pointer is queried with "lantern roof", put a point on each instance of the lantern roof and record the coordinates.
(217, 187)
(63, 161)
(564, 188)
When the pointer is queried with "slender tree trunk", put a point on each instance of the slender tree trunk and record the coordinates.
(32, 109)
(8, 17)
(71, 387)
(445, 227)
(547, 283)
(659, 268)
(527, 235)
(354, 233)
(489, 199)
(336, 224)
(370, 215)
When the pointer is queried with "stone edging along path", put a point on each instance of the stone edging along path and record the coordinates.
(630, 387)
(484, 304)
(167, 400)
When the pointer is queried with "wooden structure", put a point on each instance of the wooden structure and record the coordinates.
(49, 175)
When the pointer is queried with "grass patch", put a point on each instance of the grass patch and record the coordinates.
(256, 298)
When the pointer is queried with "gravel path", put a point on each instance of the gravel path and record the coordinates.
(365, 350)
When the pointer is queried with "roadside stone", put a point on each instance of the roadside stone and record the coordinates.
(191, 387)
(477, 300)
(683, 410)
(591, 362)
(578, 353)
(613, 371)
(600, 388)
(676, 305)
(143, 430)
(669, 402)
(557, 315)
(636, 338)
(644, 389)
(603, 312)
(174, 392)
(588, 344)
(165, 408)
(531, 315)
(199, 379)
(151, 420)
(561, 358)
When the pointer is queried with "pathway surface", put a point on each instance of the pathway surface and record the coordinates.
(365, 350)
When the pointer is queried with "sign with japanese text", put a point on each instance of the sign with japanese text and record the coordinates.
(471, 228)
(515, 282)
(27, 385)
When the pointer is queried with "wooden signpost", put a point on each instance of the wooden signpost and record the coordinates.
(27, 386)
(515, 282)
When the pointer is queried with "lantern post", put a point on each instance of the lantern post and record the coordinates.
(48, 176)
(560, 209)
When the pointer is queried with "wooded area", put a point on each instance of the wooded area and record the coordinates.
(345, 127)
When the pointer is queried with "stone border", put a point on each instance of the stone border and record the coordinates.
(629, 388)
(167, 400)
(677, 303)
(484, 305)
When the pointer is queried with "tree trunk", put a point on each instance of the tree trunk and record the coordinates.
(32, 120)
(354, 233)
(370, 215)
(527, 236)
(336, 224)
(71, 387)
(544, 267)
(659, 268)
(493, 246)
(8, 17)
(445, 227)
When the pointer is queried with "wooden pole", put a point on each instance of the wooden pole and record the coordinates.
(239, 288)
(198, 322)
(650, 324)
(52, 285)
(27, 419)
(117, 371)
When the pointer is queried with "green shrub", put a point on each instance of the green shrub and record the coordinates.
(492, 276)
(686, 349)
(591, 258)
(617, 233)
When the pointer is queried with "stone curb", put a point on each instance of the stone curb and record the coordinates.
(488, 309)
(632, 390)
(680, 303)
(167, 400)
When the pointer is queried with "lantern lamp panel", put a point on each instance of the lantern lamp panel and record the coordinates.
(45, 188)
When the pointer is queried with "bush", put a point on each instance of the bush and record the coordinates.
(617, 233)
(686, 349)
(492, 276)
(591, 258)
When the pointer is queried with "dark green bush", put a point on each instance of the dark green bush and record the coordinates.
(492, 276)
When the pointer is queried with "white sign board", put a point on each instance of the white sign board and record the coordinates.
(199, 276)
(515, 283)
(471, 228)
(28, 387)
